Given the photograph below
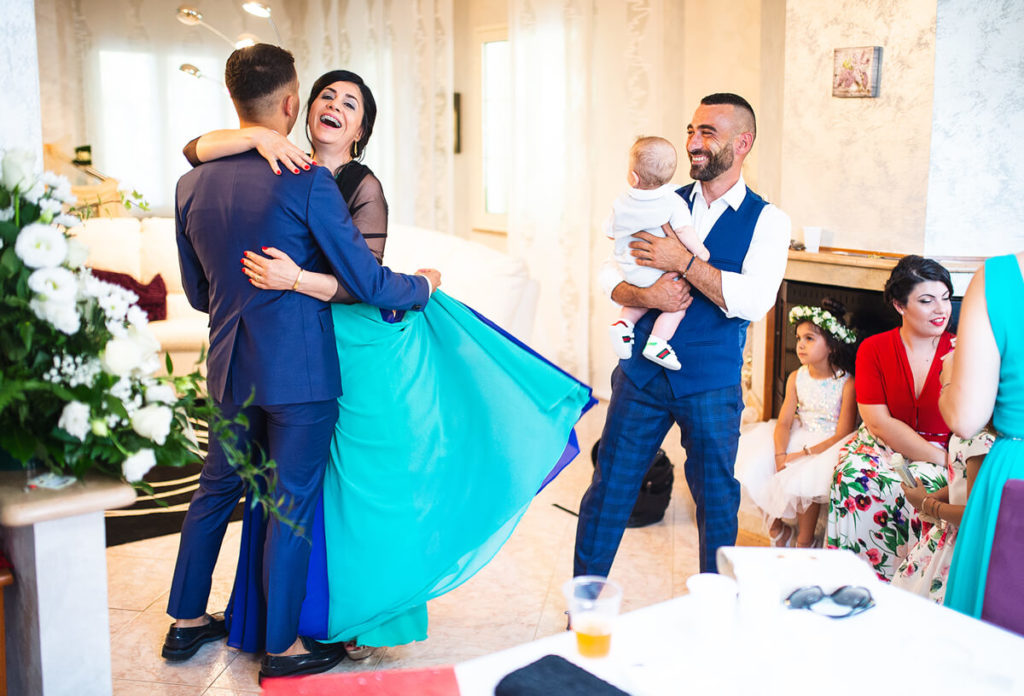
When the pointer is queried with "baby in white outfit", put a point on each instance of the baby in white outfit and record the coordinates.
(649, 203)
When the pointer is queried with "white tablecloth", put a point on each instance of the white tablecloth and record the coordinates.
(904, 645)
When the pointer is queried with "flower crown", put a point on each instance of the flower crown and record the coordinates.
(824, 320)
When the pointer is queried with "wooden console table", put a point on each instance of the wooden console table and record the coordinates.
(57, 618)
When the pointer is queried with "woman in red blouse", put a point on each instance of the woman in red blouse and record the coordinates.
(897, 386)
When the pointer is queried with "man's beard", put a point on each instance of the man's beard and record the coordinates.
(716, 164)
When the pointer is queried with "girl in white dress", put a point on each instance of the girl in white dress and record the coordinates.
(786, 465)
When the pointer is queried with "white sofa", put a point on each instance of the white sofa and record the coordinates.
(142, 248)
(495, 284)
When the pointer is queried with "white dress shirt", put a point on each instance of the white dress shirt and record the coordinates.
(750, 293)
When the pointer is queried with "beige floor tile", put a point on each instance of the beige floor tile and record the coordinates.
(135, 654)
(136, 582)
(125, 687)
(241, 674)
(119, 618)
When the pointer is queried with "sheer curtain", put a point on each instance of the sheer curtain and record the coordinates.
(404, 52)
(588, 78)
(109, 76)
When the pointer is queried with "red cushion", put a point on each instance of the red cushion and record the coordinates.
(152, 295)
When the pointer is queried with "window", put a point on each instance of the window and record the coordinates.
(497, 105)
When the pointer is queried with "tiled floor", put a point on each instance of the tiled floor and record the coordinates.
(521, 587)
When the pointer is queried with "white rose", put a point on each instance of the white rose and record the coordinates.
(74, 419)
(17, 170)
(41, 246)
(134, 353)
(78, 253)
(7, 213)
(67, 220)
(61, 313)
(53, 284)
(121, 356)
(154, 422)
(138, 465)
(136, 316)
(161, 394)
(34, 193)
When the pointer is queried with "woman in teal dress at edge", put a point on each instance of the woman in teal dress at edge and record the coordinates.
(987, 381)
(447, 426)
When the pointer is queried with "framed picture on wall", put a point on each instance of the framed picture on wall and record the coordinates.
(856, 71)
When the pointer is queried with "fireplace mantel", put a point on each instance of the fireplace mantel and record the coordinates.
(849, 268)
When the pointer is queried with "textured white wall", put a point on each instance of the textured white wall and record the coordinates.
(859, 167)
(976, 178)
(19, 77)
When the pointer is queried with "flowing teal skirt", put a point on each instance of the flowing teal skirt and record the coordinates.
(448, 427)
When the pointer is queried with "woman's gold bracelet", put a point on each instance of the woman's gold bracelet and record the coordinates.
(295, 285)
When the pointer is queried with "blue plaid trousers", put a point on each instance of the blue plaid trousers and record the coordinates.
(636, 425)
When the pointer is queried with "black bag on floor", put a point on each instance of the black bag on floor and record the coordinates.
(655, 491)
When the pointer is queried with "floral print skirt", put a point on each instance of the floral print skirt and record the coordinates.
(926, 567)
(867, 512)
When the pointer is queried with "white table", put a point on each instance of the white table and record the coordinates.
(904, 645)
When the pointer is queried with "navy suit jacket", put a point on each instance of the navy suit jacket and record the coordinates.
(278, 343)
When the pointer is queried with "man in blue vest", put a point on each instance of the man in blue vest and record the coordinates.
(748, 239)
(276, 348)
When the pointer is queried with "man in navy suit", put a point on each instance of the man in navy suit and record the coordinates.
(276, 346)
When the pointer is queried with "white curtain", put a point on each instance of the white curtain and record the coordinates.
(588, 76)
(109, 75)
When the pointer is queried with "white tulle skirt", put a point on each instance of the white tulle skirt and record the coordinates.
(789, 492)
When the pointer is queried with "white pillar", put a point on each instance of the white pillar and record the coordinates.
(58, 627)
(20, 123)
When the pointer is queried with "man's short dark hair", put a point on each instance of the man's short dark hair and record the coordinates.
(735, 100)
(254, 74)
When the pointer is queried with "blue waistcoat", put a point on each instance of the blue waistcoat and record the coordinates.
(708, 344)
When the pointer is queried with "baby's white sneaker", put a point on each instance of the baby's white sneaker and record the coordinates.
(661, 353)
(621, 333)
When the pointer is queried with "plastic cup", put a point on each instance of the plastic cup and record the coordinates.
(812, 239)
(593, 605)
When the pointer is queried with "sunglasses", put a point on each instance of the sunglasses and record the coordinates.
(848, 600)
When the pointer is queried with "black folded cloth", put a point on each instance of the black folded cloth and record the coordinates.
(552, 674)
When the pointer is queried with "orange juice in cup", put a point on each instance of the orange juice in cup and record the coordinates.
(593, 635)
(593, 605)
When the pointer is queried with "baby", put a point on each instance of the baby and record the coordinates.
(647, 205)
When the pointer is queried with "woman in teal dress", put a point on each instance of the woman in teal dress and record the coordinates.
(987, 381)
(447, 427)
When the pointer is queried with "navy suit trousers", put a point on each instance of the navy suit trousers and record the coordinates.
(637, 422)
(298, 438)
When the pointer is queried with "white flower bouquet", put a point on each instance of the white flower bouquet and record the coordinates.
(77, 357)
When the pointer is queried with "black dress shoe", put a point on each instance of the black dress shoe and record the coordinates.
(320, 658)
(183, 643)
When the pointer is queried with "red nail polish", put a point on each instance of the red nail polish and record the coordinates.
(263, 248)
(306, 167)
(314, 162)
(295, 171)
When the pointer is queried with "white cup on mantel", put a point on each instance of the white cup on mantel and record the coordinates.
(812, 239)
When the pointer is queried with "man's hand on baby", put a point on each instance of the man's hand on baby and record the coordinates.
(666, 253)
(669, 293)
